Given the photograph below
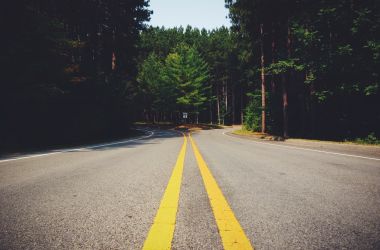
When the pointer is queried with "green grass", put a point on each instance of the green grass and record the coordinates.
(371, 139)
(200, 125)
(243, 132)
(150, 123)
(213, 126)
(259, 135)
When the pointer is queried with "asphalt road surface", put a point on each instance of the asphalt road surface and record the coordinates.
(210, 191)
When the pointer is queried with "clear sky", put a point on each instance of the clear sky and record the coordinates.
(207, 14)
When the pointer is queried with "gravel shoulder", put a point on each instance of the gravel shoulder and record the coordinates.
(343, 148)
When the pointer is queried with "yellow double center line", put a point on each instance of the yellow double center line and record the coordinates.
(232, 234)
(161, 233)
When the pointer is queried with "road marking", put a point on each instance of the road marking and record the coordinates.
(231, 233)
(150, 133)
(161, 233)
(307, 149)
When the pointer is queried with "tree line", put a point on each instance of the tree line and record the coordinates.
(316, 66)
(79, 69)
(191, 70)
(303, 68)
(68, 69)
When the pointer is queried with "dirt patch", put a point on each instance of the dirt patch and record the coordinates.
(196, 127)
(258, 135)
(337, 147)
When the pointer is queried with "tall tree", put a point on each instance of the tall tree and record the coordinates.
(315, 55)
(189, 72)
(69, 67)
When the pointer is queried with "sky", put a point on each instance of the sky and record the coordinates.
(207, 14)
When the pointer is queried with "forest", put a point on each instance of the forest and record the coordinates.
(76, 70)
(69, 70)
(315, 66)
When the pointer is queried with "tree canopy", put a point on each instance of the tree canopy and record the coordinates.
(77, 69)
(320, 62)
(68, 69)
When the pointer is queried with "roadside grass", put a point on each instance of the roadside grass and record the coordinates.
(346, 142)
(247, 132)
(197, 127)
(370, 140)
(207, 126)
(150, 123)
(188, 126)
(257, 135)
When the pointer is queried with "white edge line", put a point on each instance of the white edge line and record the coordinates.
(151, 133)
(307, 149)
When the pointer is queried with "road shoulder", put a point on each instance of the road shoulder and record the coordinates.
(342, 148)
(11, 156)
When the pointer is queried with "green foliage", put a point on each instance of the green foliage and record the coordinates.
(159, 94)
(59, 79)
(370, 139)
(190, 72)
(98, 59)
(344, 50)
(322, 96)
(322, 55)
(371, 90)
(212, 55)
(252, 113)
(177, 83)
(374, 47)
(283, 66)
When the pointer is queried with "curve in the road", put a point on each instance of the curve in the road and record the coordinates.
(150, 134)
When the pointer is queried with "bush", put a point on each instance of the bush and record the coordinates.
(370, 139)
(252, 113)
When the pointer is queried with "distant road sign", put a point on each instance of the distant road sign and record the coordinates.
(184, 115)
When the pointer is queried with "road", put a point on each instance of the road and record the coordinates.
(165, 188)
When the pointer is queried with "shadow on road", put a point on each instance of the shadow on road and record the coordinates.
(159, 132)
(130, 142)
(134, 142)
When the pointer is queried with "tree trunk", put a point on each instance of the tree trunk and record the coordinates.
(286, 83)
(233, 104)
(210, 112)
(226, 102)
(285, 106)
(241, 106)
(218, 104)
(312, 111)
(263, 102)
(273, 83)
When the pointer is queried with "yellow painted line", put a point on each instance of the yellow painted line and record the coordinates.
(161, 233)
(232, 234)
